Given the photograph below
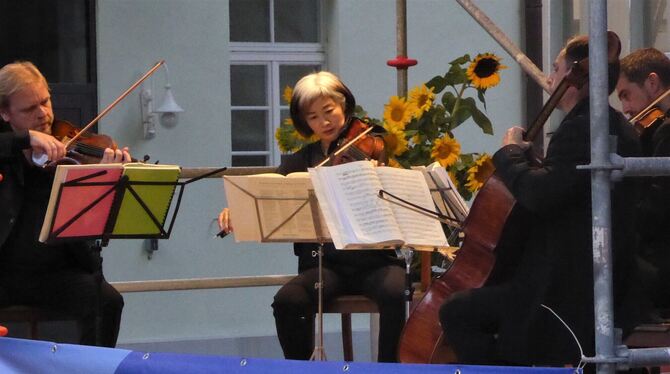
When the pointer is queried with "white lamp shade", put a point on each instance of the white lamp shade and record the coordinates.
(169, 104)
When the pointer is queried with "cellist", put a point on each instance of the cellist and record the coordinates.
(66, 277)
(504, 323)
(645, 79)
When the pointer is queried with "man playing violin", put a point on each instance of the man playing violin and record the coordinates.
(504, 322)
(323, 105)
(66, 277)
(645, 76)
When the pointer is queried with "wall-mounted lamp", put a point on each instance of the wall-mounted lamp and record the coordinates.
(167, 111)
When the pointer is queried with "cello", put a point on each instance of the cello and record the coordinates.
(484, 230)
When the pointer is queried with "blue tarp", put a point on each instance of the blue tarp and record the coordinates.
(28, 356)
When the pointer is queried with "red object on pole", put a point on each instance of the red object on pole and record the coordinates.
(402, 62)
(3, 331)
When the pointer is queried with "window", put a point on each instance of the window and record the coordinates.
(656, 33)
(273, 44)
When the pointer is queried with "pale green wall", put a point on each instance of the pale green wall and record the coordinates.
(192, 36)
(437, 32)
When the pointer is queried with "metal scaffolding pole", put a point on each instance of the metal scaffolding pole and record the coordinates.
(606, 167)
(600, 187)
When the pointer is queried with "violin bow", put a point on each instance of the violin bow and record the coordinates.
(113, 104)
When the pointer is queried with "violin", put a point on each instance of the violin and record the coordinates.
(357, 144)
(650, 118)
(651, 115)
(88, 149)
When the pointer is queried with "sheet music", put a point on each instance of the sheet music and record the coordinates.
(354, 187)
(418, 229)
(455, 198)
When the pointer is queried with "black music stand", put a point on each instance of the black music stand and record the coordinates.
(74, 227)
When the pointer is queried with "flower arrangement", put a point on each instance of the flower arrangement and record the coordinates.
(420, 129)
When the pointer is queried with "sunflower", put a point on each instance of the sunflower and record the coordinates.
(394, 163)
(422, 99)
(454, 179)
(288, 93)
(397, 112)
(396, 144)
(483, 71)
(479, 172)
(445, 150)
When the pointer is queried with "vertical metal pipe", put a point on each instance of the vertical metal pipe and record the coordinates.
(401, 43)
(533, 37)
(600, 187)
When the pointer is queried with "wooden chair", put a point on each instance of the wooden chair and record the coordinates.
(32, 316)
(346, 305)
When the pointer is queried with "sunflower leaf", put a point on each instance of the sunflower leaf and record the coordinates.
(480, 96)
(456, 75)
(438, 83)
(482, 121)
(463, 112)
(448, 100)
(461, 60)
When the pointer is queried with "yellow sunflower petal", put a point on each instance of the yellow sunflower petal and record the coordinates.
(422, 99)
(394, 163)
(479, 172)
(446, 151)
(395, 141)
(288, 93)
(397, 112)
(483, 71)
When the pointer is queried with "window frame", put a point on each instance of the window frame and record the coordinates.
(273, 55)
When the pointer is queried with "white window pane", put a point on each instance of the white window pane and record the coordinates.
(249, 130)
(241, 160)
(657, 33)
(248, 85)
(249, 20)
(296, 21)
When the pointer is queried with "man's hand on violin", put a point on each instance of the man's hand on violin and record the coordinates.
(42, 143)
(514, 135)
(113, 156)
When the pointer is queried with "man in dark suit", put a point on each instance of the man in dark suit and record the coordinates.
(645, 76)
(504, 323)
(66, 277)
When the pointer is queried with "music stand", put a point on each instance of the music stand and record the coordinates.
(407, 252)
(98, 218)
(319, 354)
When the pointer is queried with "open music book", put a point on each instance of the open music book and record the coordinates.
(357, 218)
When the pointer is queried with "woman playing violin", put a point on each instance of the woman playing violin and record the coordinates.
(66, 277)
(323, 105)
(504, 323)
(645, 77)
